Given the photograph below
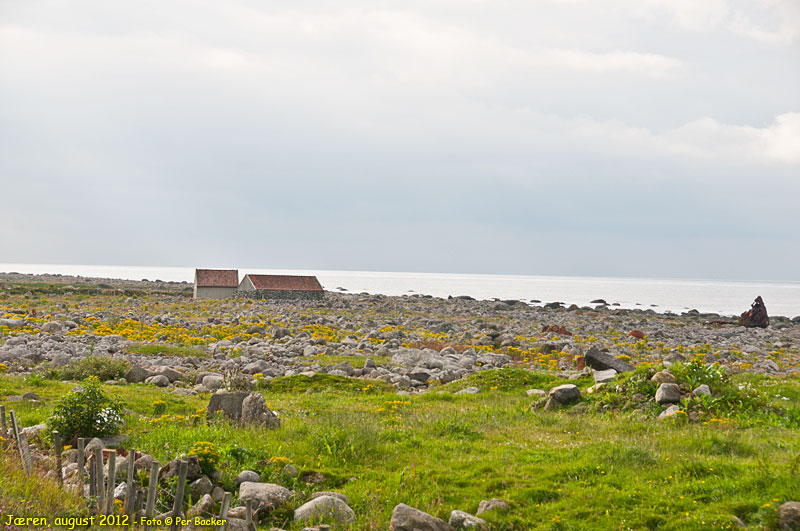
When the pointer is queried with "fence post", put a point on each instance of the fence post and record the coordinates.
(98, 477)
(183, 470)
(152, 489)
(57, 448)
(81, 463)
(3, 425)
(18, 441)
(110, 481)
(130, 492)
(223, 512)
(248, 508)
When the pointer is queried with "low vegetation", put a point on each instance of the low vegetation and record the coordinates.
(604, 465)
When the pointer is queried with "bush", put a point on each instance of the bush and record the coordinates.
(207, 454)
(87, 412)
(101, 367)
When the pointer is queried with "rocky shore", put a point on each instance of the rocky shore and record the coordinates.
(411, 342)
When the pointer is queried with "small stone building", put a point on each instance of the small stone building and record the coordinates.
(281, 287)
(215, 283)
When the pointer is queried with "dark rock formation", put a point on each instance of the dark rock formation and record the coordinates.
(599, 360)
(756, 316)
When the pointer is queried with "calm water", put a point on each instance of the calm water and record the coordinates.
(723, 297)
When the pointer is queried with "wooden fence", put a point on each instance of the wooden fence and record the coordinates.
(101, 486)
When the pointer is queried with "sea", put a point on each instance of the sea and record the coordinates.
(724, 297)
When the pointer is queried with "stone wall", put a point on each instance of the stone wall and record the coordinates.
(286, 295)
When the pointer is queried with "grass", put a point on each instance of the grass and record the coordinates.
(575, 469)
(181, 351)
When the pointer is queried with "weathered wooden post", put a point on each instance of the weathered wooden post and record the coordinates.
(130, 492)
(57, 448)
(98, 477)
(177, 507)
(248, 511)
(92, 480)
(3, 425)
(81, 463)
(110, 481)
(152, 490)
(223, 511)
(22, 445)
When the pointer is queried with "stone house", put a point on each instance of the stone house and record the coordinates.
(215, 283)
(281, 287)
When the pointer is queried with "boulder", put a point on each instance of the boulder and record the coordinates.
(468, 391)
(536, 392)
(170, 373)
(405, 518)
(255, 411)
(53, 327)
(229, 403)
(201, 487)
(202, 508)
(324, 508)
(159, 380)
(756, 316)
(462, 520)
(604, 376)
(663, 377)
(172, 468)
(601, 361)
(563, 395)
(789, 516)
(670, 411)
(137, 375)
(702, 389)
(212, 381)
(668, 393)
(492, 505)
(266, 496)
(329, 493)
(247, 475)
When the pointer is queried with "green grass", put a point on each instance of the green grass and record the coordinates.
(166, 350)
(438, 452)
(356, 361)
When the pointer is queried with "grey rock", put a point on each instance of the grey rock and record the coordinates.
(137, 375)
(212, 381)
(31, 396)
(668, 393)
(562, 395)
(229, 403)
(256, 412)
(663, 377)
(170, 373)
(330, 493)
(604, 376)
(94, 444)
(405, 518)
(172, 468)
(702, 389)
(324, 508)
(201, 487)
(462, 520)
(789, 516)
(536, 392)
(247, 475)
(468, 391)
(494, 504)
(599, 360)
(671, 410)
(266, 495)
(159, 380)
(202, 508)
(53, 327)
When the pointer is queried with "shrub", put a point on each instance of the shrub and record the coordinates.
(87, 412)
(207, 454)
(101, 367)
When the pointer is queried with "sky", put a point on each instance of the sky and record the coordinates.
(643, 138)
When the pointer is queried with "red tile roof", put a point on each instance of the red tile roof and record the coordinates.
(285, 282)
(217, 278)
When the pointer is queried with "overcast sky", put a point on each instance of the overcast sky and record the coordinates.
(653, 138)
